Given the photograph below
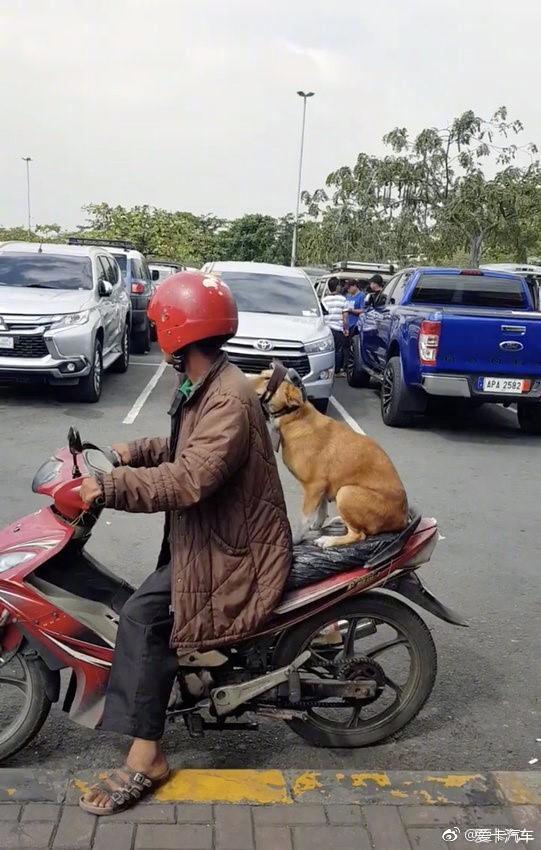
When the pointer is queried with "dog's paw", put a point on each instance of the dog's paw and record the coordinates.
(324, 542)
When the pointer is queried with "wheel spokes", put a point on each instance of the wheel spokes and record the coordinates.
(349, 643)
(396, 688)
(354, 719)
(385, 646)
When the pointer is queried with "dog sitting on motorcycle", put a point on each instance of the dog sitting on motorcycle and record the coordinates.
(227, 545)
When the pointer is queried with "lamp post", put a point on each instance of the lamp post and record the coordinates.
(28, 160)
(305, 96)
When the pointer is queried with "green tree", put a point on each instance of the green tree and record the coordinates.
(430, 196)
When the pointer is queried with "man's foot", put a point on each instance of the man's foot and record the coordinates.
(124, 787)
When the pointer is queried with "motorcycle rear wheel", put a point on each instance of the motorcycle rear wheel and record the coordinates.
(28, 676)
(372, 610)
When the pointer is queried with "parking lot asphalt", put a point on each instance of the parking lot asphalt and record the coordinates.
(477, 475)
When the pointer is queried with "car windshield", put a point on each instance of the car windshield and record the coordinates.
(45, 271)
(469, 290)
(271, 293)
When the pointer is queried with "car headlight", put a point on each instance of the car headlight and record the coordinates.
(13, 559)
(71, 319)
(326, 343)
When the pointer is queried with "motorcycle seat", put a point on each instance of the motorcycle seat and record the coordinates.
(312, 564)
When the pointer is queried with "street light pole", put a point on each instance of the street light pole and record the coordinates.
(305, 96)
(28, 160)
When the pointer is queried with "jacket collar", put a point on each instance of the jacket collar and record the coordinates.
(219, 364)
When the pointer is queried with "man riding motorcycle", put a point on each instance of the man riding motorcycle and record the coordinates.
(227, 545)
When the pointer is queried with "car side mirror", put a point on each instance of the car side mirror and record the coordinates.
(155, 274)
(105, 288)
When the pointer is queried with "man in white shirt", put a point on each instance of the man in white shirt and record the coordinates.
(336, 306)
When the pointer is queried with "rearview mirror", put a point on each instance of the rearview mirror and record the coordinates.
(155, 274)
(105, 288)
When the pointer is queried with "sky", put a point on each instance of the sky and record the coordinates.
(192, 105)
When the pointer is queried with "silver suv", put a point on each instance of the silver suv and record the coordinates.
(279, 318)
(64, 316)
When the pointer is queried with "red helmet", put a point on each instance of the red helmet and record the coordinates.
(191, 306)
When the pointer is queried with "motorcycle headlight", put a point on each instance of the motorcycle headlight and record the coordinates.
(46, 473)
(13, 559)
(326, 343)
(71, 319)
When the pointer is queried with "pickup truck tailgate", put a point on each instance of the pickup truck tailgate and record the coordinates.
(474, 341)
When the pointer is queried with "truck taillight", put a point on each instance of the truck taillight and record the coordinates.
(138, 288)
(429, 340)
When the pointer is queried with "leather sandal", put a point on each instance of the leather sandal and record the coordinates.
(133, 787)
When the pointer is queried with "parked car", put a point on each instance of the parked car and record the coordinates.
(138, 283)
(315, 272)
(447, 333)
(531, 272)
(64, 316)
(279, 318)
(348, 270)
(160, 270)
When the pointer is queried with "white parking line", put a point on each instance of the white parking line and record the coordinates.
(144, 363)
(134, 412)
(346, 416)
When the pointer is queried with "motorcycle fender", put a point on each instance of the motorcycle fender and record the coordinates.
(10, 639)
(20, 642)
(410, 586)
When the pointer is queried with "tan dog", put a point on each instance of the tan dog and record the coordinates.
(333, 463)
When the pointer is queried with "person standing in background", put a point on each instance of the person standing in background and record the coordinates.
(375, 288)
(355, 305)
(336, 306)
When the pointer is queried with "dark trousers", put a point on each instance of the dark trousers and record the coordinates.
(339, 342)
(144, 665)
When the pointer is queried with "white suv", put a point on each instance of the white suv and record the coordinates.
(64, 316)
(279, 318)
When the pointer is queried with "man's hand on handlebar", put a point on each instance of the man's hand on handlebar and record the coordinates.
(123, 451)
(90, 490)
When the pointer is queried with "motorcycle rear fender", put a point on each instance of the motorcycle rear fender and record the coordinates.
(410, 586)
(12, 641)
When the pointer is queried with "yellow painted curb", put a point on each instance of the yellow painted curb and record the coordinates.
(257, 787)
(286, 787)
(519, 789)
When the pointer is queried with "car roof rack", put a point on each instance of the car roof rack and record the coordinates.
(162, 261)
(104, 243)
(356, 266)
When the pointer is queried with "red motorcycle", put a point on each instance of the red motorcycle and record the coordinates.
(343, 664)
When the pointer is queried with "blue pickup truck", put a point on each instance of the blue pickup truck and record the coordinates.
(438, 333)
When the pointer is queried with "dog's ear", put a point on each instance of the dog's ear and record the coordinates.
(292, 395)
(260, 382)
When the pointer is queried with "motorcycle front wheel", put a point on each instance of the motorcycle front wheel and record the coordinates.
(373, 636)
(24, 704)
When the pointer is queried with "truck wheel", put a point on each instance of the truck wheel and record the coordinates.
(121, 365)
(355, 374)
(141, 340)
(89, 388)
(392, 390)
(529, 417)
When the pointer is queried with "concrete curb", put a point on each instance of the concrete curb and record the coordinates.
(271, 787)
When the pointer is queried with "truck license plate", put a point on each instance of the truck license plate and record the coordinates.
(7, 342)
(504, 385)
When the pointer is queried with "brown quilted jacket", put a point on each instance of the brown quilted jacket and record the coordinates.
(229, 534)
